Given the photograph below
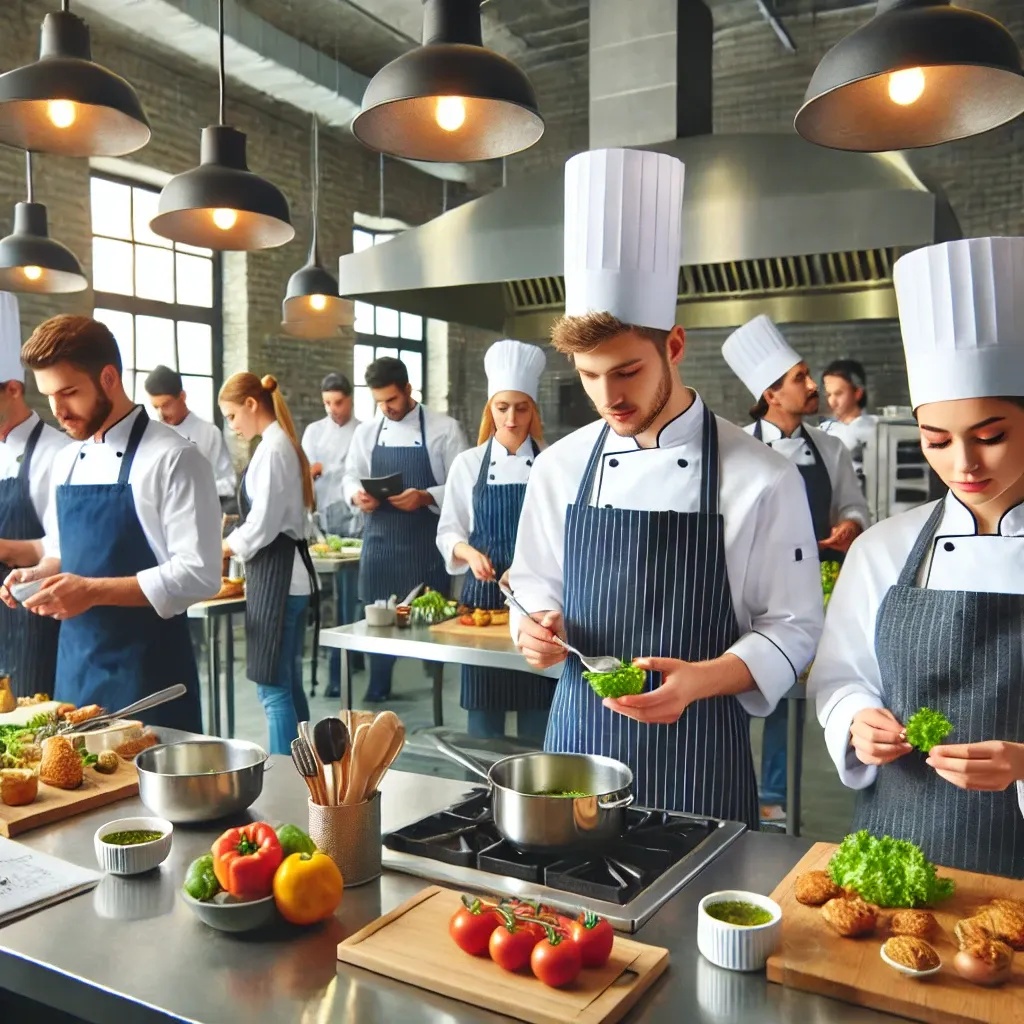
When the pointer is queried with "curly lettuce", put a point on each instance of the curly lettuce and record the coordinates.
(927, 728)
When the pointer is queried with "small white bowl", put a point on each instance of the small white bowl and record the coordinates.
(133, 860)
(379, 616)
(732, 946)
(908, 971)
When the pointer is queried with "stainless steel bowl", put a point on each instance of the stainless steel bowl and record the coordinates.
(201, 780)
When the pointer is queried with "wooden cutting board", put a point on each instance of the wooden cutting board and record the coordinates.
(54, 804)
(412, 944)
(455, 628)
(813, 958)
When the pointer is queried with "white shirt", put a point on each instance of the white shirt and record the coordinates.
(848, 500)
(175, 499)
(327, 443)
(40, 472)
(445, 440)
(770, 550)
(845, 678)
(273, 485)
(855, 435)
(210, 441)
(456, 522)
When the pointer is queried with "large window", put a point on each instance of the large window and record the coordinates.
(384, 332)
(160, 299)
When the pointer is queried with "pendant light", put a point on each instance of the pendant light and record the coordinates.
(31, 261)
(65, 102)
(920, 73)
(312, 307)
(450, 99)
(221, 204)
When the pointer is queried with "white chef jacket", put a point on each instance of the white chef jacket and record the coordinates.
(845, 678)
(456, 522)
(273, 486)
(325, 442)
(855, 435)
(209, 439)
(40, 472)
(848, 500)
(445, 440)
(175, 499)
(770, 550)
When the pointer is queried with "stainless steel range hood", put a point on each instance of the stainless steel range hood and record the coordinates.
(771, 223)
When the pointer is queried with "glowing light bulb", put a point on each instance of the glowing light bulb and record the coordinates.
(450, 113)
(225, 219)
(62, 113)
(318, 302)
(906, 86)
(32, 273)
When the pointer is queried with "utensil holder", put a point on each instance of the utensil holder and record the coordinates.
(350, 836)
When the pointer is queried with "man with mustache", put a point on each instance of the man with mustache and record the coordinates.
(660, 533)
(785, 393)
(132, 535)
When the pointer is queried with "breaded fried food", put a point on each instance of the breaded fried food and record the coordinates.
(1007, 921)
(814, 888)
(60, 766)
(971, 930)
(917, 923)
(850, 916)
(911, 952)
(80, 715)
(130, 748)
(18, 786)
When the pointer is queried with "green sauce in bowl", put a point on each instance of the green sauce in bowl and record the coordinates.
(133, 837)
(738, 912)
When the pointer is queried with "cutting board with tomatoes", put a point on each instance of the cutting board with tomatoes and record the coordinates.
(413, 944)
(455, 628)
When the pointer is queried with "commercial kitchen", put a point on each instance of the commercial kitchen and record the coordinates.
(509, 510)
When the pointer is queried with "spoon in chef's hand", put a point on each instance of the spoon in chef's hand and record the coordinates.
(601, 664)
(331, 740)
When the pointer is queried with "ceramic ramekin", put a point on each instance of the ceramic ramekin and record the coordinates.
(735, 947)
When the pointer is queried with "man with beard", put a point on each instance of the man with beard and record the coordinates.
(661, 533)
(781, 383)
(132, 533)
(400, 536)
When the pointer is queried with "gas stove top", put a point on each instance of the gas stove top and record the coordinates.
(626, 880)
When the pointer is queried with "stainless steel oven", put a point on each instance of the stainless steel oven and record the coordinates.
(896, 475)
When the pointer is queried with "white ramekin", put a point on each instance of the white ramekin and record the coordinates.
(732, 946)
(133, 860)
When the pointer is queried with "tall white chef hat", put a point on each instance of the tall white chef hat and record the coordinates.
(759, 355)
(10, 339)
(623, 229)
(514, 366)
(962, 316)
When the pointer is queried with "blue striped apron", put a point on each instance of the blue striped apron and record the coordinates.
(655, 584)
(400, 548)
(960, 652)
(496, 511)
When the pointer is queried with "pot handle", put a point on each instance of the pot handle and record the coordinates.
(460, 758)
(267, 765)
(614, 805)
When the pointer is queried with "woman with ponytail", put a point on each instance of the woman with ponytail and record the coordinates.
(275, 496)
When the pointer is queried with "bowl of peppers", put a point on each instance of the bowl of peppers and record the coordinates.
(255, 875)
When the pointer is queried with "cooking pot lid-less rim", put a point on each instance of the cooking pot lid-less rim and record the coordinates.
(597, 759)
(260, 757)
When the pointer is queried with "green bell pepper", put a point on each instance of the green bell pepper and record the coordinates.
(200, 881)
(294, 840)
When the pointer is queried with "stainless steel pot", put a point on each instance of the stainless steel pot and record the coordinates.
(537, 823)
(201, 780)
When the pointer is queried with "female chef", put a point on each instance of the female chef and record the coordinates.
(846, 388)
(928, 611)
(274, 497)
(478, 525)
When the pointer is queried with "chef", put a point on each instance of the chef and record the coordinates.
(28, 643)
(785, 393)
(400, 536)
(477, 531)
(662, 531)
(928, 610)
(167, 396)
(132, 532)
(846, 390)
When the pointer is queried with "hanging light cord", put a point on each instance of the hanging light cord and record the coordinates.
(28, 176)
(313, 256)
(65, 6)
(220, 79)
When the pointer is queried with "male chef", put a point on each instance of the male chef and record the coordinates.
(167, 395)
(400, 537)
(326, 443)
(785, 393)
(28, 643)
(132, 532)
(660, 532)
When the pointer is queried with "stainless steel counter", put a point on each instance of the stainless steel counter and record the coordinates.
(131, 951)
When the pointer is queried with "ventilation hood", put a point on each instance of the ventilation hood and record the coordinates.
(771, 223)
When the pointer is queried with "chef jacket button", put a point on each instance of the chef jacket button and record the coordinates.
(120, 455)
(613, 462)
(949, 546)
(529, 462)
(807, 451)
(491, 477)
(608, 505)
(81, 455)
(493, 463)
(682, 463)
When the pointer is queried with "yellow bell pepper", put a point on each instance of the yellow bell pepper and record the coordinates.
(307, 887)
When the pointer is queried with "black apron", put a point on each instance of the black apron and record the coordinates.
(28, 643)
(960, 652)
(655, 584)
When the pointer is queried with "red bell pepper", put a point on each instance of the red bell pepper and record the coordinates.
(245, 859)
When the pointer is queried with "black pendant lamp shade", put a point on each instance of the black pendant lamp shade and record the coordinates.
(450, 99)
(920, 73)
(66, 103)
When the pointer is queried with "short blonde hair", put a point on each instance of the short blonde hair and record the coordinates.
(573, 334)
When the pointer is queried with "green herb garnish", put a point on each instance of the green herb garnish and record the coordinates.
(829, 575)
(132, 837)
(575, 793)
(623, 681)
(927, 728)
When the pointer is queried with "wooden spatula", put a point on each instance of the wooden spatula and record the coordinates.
(358, 769)
(376, 747)
(397, 742)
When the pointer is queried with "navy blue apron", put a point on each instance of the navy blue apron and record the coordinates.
(28, 643)
(496, 511)
(115, 656)
(400, 548)
(655, 584)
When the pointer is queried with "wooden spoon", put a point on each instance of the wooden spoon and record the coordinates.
(357, 768)
(397, 742)
(376, 747)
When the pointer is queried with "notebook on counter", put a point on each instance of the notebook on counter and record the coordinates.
(30, 880)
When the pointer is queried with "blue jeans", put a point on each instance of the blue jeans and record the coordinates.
(285, 704)
(490, 724)
(773, 756)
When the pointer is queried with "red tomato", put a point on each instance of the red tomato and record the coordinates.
(511, 948)
(471, 931)
(594, 937)
(556, 963)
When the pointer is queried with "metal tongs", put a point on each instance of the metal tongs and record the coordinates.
(160, 697)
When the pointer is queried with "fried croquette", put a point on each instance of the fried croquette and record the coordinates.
(911, 952)
(815, 888)
(919, 924)
(850, 916)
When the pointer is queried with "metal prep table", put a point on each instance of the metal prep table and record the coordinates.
(212, 614)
